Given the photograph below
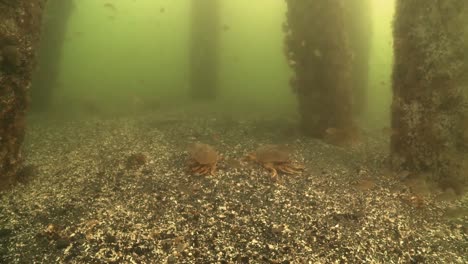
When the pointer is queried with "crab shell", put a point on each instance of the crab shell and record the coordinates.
(203, 154)
(272, 154)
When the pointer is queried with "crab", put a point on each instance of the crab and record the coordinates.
(275, 158)
(203, 159)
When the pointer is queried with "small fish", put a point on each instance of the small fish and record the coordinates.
(216, 136)
(365, 184)
(317, 53)
(388, 131)
(331, 131)
(454, 213)
(162, 10)
(403, 175)
(226, 27)
(110, 6)
(136, 100)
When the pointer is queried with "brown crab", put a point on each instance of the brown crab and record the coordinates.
(203, 159)
(275, 158)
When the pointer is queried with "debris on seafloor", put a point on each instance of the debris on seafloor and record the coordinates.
(136, 160)
(26, 173)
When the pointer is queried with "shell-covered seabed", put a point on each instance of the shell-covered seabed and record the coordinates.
(117, 190)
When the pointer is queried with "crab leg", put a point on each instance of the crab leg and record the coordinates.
(287, 170)
(291, 169)
(205, 170)
(297, 166)
(271, 168)
(199, 170)
(213, 169)
(196, 168)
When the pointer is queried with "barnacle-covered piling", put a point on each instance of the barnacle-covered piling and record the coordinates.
(204, 57)
(19, 33)
(49, 54)
(318, 50)
(430, 80)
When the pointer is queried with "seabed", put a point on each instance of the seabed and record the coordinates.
(83, 200)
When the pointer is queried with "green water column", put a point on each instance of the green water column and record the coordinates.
(204, 53)
(430, 80)
(359, 27)
(19, 34)
(53, 35)
(317, 48)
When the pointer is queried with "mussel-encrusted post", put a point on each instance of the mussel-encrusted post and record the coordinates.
(317, 48)
(430, 80)
(19, 34)
(359, 28)
(204, 57)
(49, 54)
